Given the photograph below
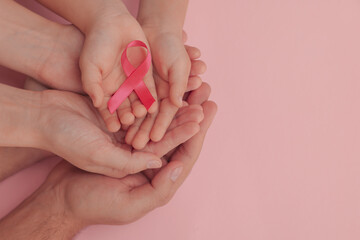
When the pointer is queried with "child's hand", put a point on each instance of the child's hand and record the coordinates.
(102, 73)
(108, 28)
(155, 125)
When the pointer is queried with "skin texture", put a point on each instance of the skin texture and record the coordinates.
(14, 159)
(162, 22)
(39, 48)
(175, 66)
(45, 69)
(80, 198)
(153, 127)
(108, 28)
(67, 125)
(88, 144)
(60, 48)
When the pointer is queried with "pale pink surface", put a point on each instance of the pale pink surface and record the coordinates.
(282, 159)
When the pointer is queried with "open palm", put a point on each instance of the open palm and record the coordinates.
(74, 130)
(102, 72)
(154, 126)
(95, 199)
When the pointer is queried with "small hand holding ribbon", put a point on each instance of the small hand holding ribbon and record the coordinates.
(134, 81)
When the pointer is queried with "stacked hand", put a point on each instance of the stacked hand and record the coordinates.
(73, 130)
(118, 166)
(120, 201)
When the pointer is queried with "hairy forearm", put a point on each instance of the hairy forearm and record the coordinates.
(14, 159)
(39, 217)
(166, 15)
(83, 13)
(26, 39)
(20, 112)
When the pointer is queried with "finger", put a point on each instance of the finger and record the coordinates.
(194, 83)
(157, 193)
(173, 138)
(111, 119)
(126, 127)
(193, 52)
(178, 78)
(198, 67)
(189, 151)
(91, 80)
(142, 136)
(135, 180)
(154, 172)
(166, 114)
(138, 109)
(133, 129)
(125, 114)
(122, 162)
(199, 95)
(150, 173)
(164, 185)
(192, 113)
(168, 155)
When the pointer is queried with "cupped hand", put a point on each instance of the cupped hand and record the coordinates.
(73, 129)
(154, 125)
(102, 72)
(95, 199)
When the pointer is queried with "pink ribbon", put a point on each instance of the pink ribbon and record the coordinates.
(134, 80)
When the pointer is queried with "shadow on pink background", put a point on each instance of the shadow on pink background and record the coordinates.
(282, 159)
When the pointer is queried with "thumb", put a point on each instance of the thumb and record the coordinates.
(159, 192)
(178, 78)
(122, 162)
(91, 80)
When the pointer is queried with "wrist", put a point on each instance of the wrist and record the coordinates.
(162, 15)
(19, 116)
(156, 36)
(155, 26)
(58, 66)
(115, 21)
(97, 14)
(41, 216)
(24, 41)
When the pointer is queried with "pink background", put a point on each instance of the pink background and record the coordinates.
(282, 159)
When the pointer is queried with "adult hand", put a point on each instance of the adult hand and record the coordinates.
(73, 129)
(120, 201)
(72, 199)
(37, 47)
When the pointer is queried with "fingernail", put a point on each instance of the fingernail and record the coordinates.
(153, 164)
(176, 173)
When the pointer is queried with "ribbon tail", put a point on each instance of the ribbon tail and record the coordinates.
(120, 95)
(144, 95)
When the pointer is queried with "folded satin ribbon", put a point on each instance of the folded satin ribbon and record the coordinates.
(134, 80)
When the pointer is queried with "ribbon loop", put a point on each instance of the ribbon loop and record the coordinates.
(134, 80)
